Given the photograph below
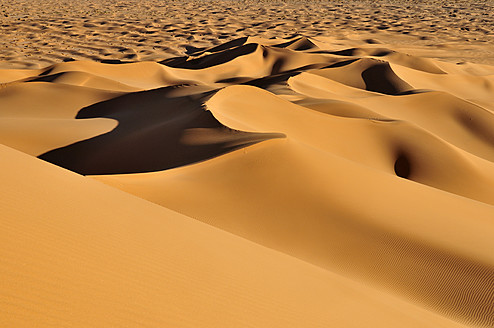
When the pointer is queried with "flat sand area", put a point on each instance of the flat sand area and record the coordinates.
(246, 164)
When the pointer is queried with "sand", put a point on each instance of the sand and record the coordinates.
(38, 33)
(247, 164)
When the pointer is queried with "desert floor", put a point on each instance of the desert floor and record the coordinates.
(246, 163)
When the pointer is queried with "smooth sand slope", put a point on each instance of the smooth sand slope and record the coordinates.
(266, 178)
(78, 253)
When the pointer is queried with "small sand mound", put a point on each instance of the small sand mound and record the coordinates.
(381, 78)
(299, 44)
(368, 74)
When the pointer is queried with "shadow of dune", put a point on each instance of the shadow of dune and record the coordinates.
(157, 130)
(381, 78)
(211, 60)
(298, 44)
(228, 45)
(46, 77)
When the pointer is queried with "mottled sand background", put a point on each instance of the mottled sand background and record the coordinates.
(39, 33)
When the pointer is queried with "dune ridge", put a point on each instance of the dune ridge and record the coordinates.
(337, 182)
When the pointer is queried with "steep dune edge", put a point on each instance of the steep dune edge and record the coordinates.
(78, 253)
(156, 130)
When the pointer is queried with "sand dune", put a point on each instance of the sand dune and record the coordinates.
(76, 252)
(248, 170)
(156, 131)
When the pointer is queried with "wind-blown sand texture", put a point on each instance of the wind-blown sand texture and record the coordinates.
(309, 173)
(38, 33)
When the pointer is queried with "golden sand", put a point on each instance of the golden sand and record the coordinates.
(246, 164)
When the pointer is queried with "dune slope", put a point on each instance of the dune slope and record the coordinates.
(78, 253)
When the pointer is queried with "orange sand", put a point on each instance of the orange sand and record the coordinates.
(246, 176)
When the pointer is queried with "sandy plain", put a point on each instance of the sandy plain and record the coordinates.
(247, 164)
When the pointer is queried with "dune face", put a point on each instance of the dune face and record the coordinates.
(236, 173)
(155, 131)
(124, 262)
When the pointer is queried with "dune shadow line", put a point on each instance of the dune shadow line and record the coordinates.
(157, 130)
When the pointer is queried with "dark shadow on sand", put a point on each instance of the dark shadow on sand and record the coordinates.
(157, 130)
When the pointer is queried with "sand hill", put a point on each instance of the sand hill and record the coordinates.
(264, 175)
